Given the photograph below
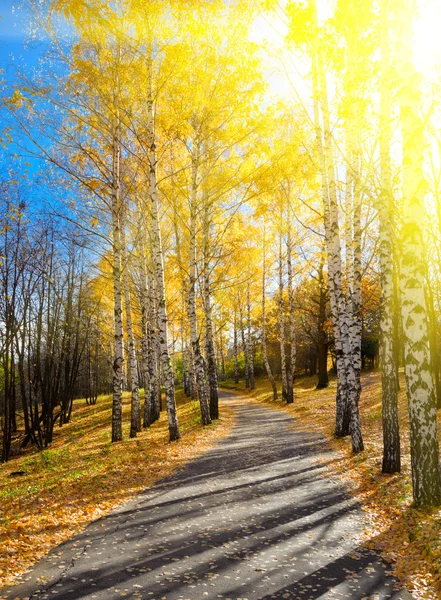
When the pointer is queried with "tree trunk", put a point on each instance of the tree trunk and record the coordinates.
(347, 415)
(185, 371)
(264, 348)
(194, 334)
(426, 475)
(322, 343)
(244, 348)
(192, 374)
(391, 426)
(145, 343)
(7, 430)
(398, 338)
(236, 361)
(158, 261)
(432, 324)
(209, 336)
(250, 342)
(222, 355)
(209, 351)
(118, 357)
(292, 325)
(154, 352)
(282, 327)
(135, 415)
(341, 413)
(354, 232)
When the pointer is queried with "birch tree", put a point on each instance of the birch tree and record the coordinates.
(347, 411)
(264, 346)
(426, 474)
(391, 428)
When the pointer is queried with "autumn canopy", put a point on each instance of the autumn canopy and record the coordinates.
(198, 193)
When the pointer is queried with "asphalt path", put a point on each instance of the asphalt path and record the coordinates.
(254, 518)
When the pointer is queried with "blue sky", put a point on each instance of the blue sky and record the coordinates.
(16, 55)
(20, 55)
(12, 24)
(13, 53)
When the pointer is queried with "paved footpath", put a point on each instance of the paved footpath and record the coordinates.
(254, 518)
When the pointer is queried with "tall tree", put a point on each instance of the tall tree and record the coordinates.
(426, 473)
(391, 428)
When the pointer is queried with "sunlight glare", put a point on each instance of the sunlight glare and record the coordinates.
(428, 38)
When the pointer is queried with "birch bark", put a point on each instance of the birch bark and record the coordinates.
(236, 361)
(244, 347)
(144, 301)
(135, 415)
(347, 413)
(264, 348)
(222, 355)
(353, 248)
(157, 254)
(292, 325)
(194, 334)
(391, 426)
(250, 341)
(209, 350)
(282, 326)
(426, 475)
(118, 346)
(341, 413)
(192, 374)
(322, 342)
(155, 384)
(210, 357)
(432, 325)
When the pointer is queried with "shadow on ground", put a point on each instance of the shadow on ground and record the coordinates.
(253, 518)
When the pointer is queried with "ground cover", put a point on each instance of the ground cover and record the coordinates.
(409, 539)
(82, 476)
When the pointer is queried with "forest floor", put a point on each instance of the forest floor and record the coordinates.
(408, 538)
(83, 476)
(253, 518)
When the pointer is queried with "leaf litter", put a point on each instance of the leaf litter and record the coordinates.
(83, 476)
(409, 539)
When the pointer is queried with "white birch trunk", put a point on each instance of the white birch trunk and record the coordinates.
(322, 338)
(212, 375)
(236, 361)
(135, 417)
(264, 347)
(292, 325)
(250, 342)
(244, 348)
(192, 374)
(353, 233)
(391, 426)
(209, 350)
(222, 355)
(118, 358)
(194, 334)
(157, 255)
(282, 326)
(155, 385)
(345, 371)
(341, 415)
(144, 301)
(426, 475)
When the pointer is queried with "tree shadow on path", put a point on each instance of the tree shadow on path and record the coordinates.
(253, 518)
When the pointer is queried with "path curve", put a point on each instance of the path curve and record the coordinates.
(253, 518)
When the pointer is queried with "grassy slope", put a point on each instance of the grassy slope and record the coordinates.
(410, 539)
(83, 476)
